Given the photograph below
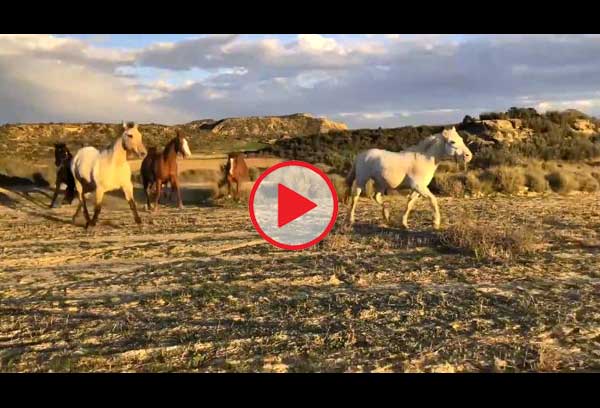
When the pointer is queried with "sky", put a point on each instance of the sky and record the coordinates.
(363, 80)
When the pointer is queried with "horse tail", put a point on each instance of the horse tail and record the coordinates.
(349, 181)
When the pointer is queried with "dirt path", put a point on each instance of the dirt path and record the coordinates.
(198, 290)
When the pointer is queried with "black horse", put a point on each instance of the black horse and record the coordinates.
(62, 160)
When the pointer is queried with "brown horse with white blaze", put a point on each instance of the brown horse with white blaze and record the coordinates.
(160, 168)
(236, 171)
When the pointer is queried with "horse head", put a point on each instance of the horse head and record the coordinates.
(61, 154)
(182, 146)
(454, 146)
(132, 139)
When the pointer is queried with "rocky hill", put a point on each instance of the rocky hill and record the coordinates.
(31, 141)
(299, 124)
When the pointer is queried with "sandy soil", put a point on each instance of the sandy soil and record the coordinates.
(198, 290)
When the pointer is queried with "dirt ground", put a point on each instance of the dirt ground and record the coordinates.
(198, 290)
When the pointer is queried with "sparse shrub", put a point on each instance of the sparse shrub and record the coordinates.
(509, 179)
(535, 180)
(493, 156)
(487, 241)
(254, 173)
(448, 184)
(339, 183)
(475, 186)
(562, 182)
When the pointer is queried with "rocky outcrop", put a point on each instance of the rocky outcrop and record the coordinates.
(503, 131)
(300, 124)
(585, 127)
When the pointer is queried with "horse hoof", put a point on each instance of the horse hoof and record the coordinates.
(138, 220)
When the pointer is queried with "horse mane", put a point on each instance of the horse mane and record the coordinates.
(171, 142)
(425, 144)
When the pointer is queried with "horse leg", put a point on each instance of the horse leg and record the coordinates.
(147, 187)
(424, 191)
(55, 196)
(85, 211)
(170, 195)
(352, 207)
(237, 190)
(229, 182)
(77, 211)
(158, 191)
(380, 187)
(385, 211)
(128, 191)
(412, 199)
(97, 206)
(175, 186)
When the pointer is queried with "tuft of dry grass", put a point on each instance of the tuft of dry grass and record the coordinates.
(562, 182)
(535, 180)
(339, 183)
(509, 180)
(486, 242)
(588, 183)
(449, 184)
(254, 173)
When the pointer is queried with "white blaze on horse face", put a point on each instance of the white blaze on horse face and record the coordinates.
(132, 140)
(231, 166)
(455, 146)
(185, 148)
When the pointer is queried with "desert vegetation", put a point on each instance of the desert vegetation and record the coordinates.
(547, 144)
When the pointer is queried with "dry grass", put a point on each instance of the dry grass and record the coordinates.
(562, 182)
(449, 184)
(490, 242)
(535, 179)
(588, 183)
(510, 180)
(198, 290)
(339, 183)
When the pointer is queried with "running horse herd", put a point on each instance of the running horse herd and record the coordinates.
(100, 171)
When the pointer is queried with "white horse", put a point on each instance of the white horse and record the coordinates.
(107, 170)
(413, 168)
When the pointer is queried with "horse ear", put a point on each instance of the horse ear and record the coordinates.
(124, 125)
(135, 125)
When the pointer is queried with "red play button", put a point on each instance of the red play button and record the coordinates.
(291, 205)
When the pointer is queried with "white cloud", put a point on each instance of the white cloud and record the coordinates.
(373, 80)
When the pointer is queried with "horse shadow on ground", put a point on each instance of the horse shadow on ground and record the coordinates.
(400, 236)
(193, 196)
